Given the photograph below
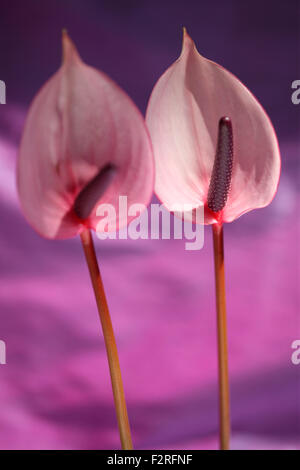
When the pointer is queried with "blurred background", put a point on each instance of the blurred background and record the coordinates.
(55, 391)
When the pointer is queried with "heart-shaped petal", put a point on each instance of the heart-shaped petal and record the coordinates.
(183, 114)
(85, 143)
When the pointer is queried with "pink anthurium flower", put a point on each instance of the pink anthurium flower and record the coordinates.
(214, 148)
(183, 114)
(84, 143)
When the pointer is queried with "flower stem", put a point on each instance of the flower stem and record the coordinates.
(109, 338)
(224, 407)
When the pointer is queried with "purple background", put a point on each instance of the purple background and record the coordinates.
(55, 390)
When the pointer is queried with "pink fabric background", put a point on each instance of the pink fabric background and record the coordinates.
(55, 391)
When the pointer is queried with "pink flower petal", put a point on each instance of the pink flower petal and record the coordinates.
(81, 126)
(182, 116)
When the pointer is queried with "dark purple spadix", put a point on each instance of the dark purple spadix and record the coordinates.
(220, 181)
(92, 192)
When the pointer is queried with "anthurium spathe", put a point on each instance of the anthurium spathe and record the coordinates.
(183, 115)
(84, 143)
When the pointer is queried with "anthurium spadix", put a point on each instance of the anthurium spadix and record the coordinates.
(214, 148)
(84, 145)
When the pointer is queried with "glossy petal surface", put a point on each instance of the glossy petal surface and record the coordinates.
(79, 124)
(183, 114)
